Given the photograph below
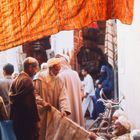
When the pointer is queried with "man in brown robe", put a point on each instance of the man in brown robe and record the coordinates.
(23, 104)
(50, 89)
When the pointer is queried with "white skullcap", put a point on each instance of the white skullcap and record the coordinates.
(135, 133)
(53, 61)
(119, 113)
(124, 122)
(43, 66)
(65, 56)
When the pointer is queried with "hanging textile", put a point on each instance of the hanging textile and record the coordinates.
(22, 21)
(111, 42)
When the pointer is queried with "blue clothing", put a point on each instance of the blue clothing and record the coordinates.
(98, 108)
(106, 80)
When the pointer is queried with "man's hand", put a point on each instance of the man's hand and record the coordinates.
(86, 95)
(63, 114)
(47, 106)
(92, 136)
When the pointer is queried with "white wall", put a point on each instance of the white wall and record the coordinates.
(9, 56)
(63, 40)
(129, 65)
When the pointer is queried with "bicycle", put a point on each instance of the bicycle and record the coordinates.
(103, 124)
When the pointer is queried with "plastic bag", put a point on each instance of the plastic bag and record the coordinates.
(6, 130)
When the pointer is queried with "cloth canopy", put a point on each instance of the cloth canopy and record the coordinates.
(27, 20)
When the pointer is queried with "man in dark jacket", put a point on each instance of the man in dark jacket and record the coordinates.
(23, 108)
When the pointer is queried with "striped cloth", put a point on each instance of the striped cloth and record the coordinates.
(27, 20)
(111, 42)
(59, 128)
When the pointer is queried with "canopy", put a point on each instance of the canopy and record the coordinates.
(22, 21)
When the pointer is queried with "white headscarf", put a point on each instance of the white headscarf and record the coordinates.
(119, 113)
(64, 56)
(124, 122)
(43, 66)
(65, 61)
(136, 133)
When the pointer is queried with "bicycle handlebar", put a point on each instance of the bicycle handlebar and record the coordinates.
(105, 102)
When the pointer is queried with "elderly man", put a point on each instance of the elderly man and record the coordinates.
(73, 88)
(5, 84)
(23, 104)
(49, 88)
(117, 114)
(122, 129)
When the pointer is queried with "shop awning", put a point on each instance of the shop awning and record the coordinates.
(27, 20)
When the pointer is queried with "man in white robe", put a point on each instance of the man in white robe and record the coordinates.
(73, 89)
(50, 89)
(89, 92)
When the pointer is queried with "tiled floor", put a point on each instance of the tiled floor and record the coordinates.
(88, 122)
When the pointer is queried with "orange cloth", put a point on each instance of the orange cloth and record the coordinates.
(27, 20)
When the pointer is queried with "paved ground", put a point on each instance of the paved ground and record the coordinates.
(88, 122)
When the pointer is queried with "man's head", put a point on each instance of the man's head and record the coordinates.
(103, 70)
(8, 69)
(66, 57)
(54, 66)
(84, 71)
(117, 114)
(43, 66)
(122, 126)
(65, 61)
(30, 66)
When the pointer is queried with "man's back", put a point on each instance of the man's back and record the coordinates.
(5, 85)
(73, 87)
(23, 108)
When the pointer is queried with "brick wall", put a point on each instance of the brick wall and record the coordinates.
(78, 43)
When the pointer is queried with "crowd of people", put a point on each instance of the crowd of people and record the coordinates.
(29, 96)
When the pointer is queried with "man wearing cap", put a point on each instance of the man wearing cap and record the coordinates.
(122, 129)
(23, 104)
(49, 88)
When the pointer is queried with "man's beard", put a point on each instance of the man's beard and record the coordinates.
(52, 74)
(115, 132)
